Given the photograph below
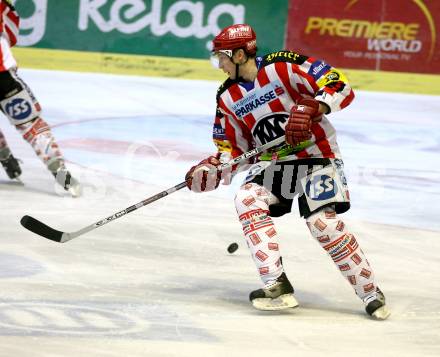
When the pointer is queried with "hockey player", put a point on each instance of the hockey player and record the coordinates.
(19, 105)
(264, 98)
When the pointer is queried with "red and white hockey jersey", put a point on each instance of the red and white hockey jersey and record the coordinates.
(9, 22)
(252, 114)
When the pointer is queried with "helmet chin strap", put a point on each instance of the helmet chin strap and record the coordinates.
(237, 78)
(237, 66)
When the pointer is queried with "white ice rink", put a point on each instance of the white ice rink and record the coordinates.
(159, 282)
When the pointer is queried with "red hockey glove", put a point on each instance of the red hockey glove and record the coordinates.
(204, 176)
(298, 128)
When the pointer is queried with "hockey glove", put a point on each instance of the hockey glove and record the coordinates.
(298, 128)
(204, 176)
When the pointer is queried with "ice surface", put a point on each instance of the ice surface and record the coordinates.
(159, 282)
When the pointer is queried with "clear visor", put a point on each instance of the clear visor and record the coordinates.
(215, 60)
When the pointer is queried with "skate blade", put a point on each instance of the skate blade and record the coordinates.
(75, 190)
(282, 302)
(382, 313)
(18, 179)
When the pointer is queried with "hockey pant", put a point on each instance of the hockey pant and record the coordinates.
(20, 106)
(252, 204)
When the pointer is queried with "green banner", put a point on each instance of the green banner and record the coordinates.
(147, 27)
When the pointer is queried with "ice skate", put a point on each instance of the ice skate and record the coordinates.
(12, 167)
(276, 296)
(375, 306)
(64, 178)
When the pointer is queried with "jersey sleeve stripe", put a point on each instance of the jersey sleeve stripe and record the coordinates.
(2, 66)
(347, 100)
(281, 70)
(12, 16)
(321, 141)
(249, 120)
(303, 154)
(9, 21)
(303, 90)
(235, 93)
(223, 106)
(12, 39)
(236, 135)
(277, 106)
(308, 80)
(262, 77)
(299, 82)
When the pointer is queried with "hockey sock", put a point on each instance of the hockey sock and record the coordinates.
(331, 233)
(252, 205)
(39, 135)
(5, 152)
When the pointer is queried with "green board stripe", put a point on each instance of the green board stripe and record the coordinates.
(201, 69)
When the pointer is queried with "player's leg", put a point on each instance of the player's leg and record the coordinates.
(252, 204)
(23, 110)
(326, 187)
(8, 161)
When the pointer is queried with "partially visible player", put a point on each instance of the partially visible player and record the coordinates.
(20, 106)
(264, 98)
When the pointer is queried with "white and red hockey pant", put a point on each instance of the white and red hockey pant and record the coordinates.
(23, 111)
(332, 234)
(252, 204)
(39, 135)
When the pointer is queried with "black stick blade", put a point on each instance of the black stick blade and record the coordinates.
(34, 225)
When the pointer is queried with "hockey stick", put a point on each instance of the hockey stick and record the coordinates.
(38, 227)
